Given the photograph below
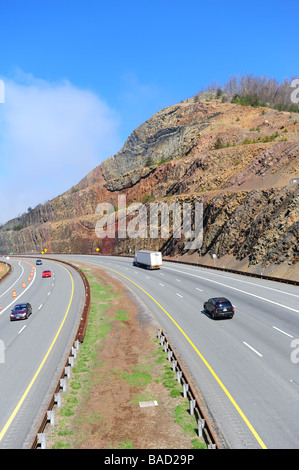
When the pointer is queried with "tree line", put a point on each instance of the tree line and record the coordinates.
(252, 90)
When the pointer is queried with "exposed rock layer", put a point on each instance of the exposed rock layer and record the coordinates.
(240, 162)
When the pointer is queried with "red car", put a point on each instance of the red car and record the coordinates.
(46, 273)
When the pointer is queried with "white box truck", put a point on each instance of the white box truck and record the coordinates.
(148, 259)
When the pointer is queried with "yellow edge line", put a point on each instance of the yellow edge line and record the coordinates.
(15, 411)
(257, 437)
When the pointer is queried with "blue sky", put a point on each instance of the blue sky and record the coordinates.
(81, 75)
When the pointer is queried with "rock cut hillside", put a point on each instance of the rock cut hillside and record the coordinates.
(241, 162)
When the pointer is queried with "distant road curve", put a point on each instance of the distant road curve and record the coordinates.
(244, 367)
(4, 272)
(34, 350)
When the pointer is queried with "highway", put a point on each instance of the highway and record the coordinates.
(33, 351)
(246, 368)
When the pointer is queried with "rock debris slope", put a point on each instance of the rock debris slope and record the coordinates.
(241, 162)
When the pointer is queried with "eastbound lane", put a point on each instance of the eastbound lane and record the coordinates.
(35, 349)
(242, 366)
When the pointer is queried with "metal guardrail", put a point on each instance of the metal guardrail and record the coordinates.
(84, 317)
(55, 398)
(7, 273)
(79, 338)
(228, 270)
(235, 271)
(189, 263)
(204, 429)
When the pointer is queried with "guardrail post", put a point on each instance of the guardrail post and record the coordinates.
(165, 347)
(185, 390)
(200, 423)
(169, 355)
(50, 416)
(57, 399)
(174, 364)
(179, 375)
(67, 371)
(71, 361)
(74, 352)
(63, 384)
(41, 437)
(162, 340)
(77, 345)
(192, 406)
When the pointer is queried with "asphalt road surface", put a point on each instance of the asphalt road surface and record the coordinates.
(34, 351)
(246, 367)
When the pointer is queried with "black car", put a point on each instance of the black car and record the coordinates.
(21, 311)
(219, 307)
(39, 261)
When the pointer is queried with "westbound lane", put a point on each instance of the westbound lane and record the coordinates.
(35, 349)
(242, 366)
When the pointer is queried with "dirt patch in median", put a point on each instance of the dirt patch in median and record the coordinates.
(127, 369)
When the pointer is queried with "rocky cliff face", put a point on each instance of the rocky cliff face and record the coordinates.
(240, 162)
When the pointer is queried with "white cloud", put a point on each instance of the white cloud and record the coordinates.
(51, 136)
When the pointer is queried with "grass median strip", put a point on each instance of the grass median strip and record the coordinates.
(119, 365)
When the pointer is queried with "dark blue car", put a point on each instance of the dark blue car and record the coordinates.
(21, 311)
(219, 307)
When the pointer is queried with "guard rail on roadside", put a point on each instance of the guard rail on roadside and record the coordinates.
(235, 271)
(204, 429)
(7, 272)
(79, 338)
(189, 263)
(203, 426)
(84, 317)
